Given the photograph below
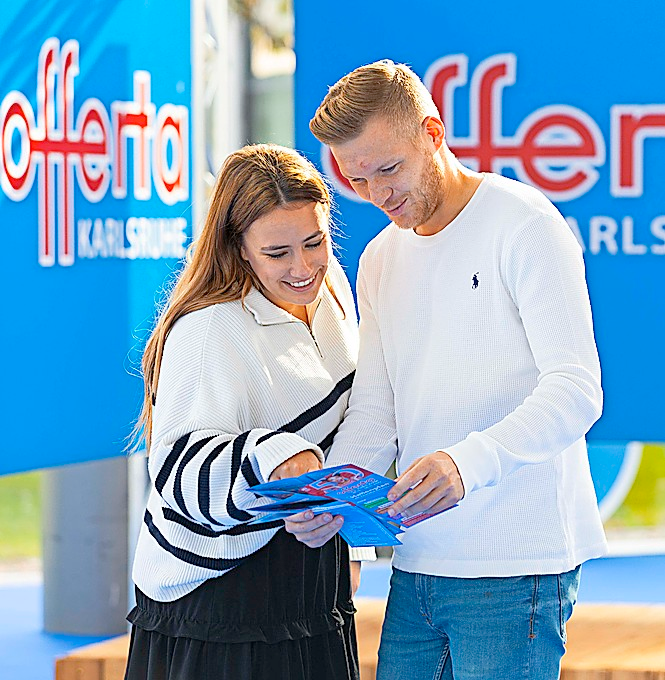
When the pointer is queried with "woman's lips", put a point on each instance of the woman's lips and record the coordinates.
(301, 286)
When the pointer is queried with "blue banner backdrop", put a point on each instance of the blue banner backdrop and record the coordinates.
(95, 179)
(549, 98)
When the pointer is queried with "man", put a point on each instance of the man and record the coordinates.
(478, 372)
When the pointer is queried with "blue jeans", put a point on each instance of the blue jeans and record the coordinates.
(440, 628)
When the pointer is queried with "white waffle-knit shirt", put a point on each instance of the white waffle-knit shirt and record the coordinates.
(479, 341)
(241, 390)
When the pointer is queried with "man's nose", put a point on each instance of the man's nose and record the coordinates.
(379, 193)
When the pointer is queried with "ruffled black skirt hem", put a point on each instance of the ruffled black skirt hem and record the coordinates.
(217, 632)
(332, 655)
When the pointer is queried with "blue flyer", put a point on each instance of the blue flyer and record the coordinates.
(358, 495)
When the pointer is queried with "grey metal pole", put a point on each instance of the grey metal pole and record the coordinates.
(138, 488)
(85, 548)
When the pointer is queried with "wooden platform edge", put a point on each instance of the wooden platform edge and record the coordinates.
(605, 642)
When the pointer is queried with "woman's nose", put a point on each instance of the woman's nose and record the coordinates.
(301, 266)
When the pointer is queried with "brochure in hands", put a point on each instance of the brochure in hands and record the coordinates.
(358, 495)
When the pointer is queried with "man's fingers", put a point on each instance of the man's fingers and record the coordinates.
(410, 477)
(425, 483)
(444, 504)
(407, 504)
(432, 502)
(413, 497)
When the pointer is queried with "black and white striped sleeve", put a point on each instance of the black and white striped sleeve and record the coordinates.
(205, 475)
(203, 459)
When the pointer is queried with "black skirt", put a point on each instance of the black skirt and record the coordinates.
(285, 612)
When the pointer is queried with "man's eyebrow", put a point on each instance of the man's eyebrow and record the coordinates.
(381, 166)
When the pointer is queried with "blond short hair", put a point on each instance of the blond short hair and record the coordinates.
(381, 88)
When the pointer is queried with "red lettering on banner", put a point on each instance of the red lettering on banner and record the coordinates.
(134, 119)
(631, 125)
(556, 148)
(16, 115)
(55, 147)
(171, 179)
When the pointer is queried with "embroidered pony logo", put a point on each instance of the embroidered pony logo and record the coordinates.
(474, 281)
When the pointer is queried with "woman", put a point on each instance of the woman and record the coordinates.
(247, 376)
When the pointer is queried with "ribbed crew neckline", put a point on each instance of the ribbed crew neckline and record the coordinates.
(426, 241)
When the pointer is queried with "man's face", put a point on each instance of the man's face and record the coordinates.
(398, 175)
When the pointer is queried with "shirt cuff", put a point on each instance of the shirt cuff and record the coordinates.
(277, 449)
(362, 554)
(477, 463)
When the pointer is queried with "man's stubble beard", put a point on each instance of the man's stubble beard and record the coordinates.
(425, 201)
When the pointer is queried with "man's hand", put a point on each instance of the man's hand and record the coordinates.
(313, 531)
(305, 461)
(437, 482)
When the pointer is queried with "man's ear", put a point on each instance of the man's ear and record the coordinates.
(434, 131)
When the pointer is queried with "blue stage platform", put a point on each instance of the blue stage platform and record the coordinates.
(27, 653)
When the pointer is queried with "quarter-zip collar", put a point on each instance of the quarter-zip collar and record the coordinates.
(267, 313)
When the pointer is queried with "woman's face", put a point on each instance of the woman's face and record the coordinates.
(288, 249)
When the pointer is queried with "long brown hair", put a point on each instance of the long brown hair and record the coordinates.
(252, 182)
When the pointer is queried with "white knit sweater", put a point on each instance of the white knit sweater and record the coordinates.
(241, 390)
(478, 341)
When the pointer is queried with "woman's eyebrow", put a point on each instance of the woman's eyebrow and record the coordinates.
(316, 234)
(274, 247)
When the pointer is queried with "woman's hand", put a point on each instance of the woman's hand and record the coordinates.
(313, 530)
(305, 461)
